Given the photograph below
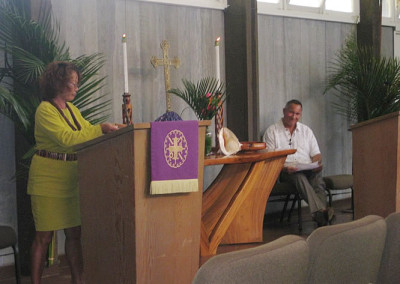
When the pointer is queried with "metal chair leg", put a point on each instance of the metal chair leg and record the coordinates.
(17, 264)
(292, 207)
(329, 197)
(352, 201)
(299, 212)
(284, 208)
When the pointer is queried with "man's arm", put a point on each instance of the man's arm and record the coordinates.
(317, 158)
(269, 138)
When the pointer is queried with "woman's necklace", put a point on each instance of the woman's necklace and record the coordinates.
(66, 119)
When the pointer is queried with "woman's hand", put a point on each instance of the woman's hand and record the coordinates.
(108, 127)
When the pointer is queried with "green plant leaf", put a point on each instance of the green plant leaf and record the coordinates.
(366, 86)
(205, 97)
(29, 46)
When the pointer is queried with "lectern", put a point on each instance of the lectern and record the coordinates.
(128, 235)
(376, 166)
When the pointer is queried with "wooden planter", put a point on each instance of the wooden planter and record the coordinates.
(376, 166)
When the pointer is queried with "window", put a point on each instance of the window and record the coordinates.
(327, 10)
(269, 1)
(345, 6)
(387, 9)
(306, 3)
(215, 4)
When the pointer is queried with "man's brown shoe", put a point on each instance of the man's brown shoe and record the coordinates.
(331, 214)
(321, 217)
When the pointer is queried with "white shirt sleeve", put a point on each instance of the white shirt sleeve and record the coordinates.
(314, 149)
(269, 137)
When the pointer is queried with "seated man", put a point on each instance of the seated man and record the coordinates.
(288, 132)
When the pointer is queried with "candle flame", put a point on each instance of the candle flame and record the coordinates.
(124, 38)
(217, 41)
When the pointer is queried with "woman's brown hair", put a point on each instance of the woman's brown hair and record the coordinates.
(56, 77)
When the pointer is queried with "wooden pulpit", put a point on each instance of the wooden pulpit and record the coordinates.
(128, 235)
(376, 166)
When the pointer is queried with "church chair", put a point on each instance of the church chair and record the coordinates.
(389, 271)
(286, 192)
(336, 183)
(8, 238)
(284, 260)
(347, 253)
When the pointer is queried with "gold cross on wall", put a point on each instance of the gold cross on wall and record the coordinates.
(166, 62)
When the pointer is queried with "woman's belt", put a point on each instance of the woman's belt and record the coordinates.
(57, 156)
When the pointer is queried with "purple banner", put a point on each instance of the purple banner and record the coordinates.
(174, 150)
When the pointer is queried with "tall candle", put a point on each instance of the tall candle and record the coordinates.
(125, 59)
(217, 65)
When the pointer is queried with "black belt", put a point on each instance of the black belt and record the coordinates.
(56, 156)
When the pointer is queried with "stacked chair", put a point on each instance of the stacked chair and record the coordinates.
(336, 184)
(286, 192)
(8, 238)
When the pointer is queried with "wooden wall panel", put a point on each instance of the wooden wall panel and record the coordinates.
(294, 61)
(294, 56)
(387, 43)
(90, 26)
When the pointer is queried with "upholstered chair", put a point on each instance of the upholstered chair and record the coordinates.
(347, 253)
(286, 192)
(390, 264)
(284, 260)
(336, 184)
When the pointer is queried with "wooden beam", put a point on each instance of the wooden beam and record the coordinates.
(241, 57)
(369, 29)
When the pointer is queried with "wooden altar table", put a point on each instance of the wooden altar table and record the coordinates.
(234, 204)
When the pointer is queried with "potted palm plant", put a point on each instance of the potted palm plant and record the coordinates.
(205, 98)
(29, 45)
(368, 91)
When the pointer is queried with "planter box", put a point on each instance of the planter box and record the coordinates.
(376, 166)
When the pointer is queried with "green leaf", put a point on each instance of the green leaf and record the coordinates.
(196, 96)
(366, 86)
(29, 46)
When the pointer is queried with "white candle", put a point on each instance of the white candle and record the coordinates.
(217, 66)
(125, 59)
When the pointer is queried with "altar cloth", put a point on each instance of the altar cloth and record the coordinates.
(174, 157)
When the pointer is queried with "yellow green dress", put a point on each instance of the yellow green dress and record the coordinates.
(53, 184)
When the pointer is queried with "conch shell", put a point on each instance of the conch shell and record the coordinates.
(228, 142)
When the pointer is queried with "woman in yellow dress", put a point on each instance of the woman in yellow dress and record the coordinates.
(53, 176)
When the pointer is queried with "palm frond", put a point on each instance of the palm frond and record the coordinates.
(29, 46)
(366, 86)
(205, 97)
(14, 109)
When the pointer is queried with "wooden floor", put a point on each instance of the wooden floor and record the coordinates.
(273, 229)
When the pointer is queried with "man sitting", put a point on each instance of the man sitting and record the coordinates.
(288, 132)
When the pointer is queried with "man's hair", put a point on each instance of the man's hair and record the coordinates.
(55, 78)
(295, 102)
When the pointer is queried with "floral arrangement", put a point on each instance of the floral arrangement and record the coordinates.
(205, 97)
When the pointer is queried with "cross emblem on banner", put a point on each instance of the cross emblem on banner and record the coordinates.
(166, 62)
